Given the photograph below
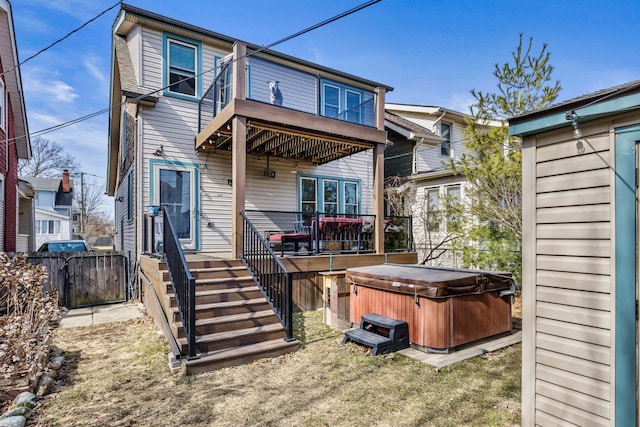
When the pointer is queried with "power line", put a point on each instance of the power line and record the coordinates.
(60, 39)
(299, 33)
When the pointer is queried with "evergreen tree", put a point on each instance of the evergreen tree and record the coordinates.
(493, 166)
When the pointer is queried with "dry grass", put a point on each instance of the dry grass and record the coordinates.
(117, 375)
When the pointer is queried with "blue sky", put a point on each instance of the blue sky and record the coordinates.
(431, 52)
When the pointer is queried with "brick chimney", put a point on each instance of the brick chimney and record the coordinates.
(65, 181)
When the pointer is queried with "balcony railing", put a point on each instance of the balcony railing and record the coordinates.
(277, 84)
(316, 233)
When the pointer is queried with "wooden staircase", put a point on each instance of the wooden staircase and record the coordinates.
(234, 322)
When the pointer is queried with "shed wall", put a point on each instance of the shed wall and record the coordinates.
(567, 277)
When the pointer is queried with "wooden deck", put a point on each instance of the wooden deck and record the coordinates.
(234, 322)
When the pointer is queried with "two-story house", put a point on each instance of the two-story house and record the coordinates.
(423, 140)
(248, 154)
(14, 134)
(53, 204)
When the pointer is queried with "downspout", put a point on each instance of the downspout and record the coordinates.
(414, 166)
(437, 120)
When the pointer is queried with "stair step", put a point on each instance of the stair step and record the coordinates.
(217, 283)
(228, 323)
(239, 355)
(235, 338)
(214, 272)
(221, 295)
(226, 308)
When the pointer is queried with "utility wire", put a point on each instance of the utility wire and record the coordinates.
(60, 39)
(299, 33)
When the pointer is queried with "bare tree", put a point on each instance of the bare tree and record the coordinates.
(89, 199)
(438, 222)
(48, 160)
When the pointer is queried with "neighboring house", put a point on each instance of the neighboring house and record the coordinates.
(580, 259)
(26, 217)
(175, 83)
(14, 132)
(53, 204)
(422, 140)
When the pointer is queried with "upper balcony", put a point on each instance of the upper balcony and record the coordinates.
(293, 110)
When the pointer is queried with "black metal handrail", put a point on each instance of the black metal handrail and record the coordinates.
(182, 281)
(271, 276)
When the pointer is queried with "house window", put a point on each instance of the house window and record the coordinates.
(308, 195)
(130, 196)
(48, 226)
(350, 198)
(175, 187)
(453, 207)
(344, 103)
(331, 101)
(182, 66)
(445, 133)
(330, 196)
(337, 195)
(3, 97)
(124, 133)
(223, 79)
(432, 209)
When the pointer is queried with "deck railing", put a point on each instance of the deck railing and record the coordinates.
(271, 276)
(297, 89)
(317, 233)
(183, 282)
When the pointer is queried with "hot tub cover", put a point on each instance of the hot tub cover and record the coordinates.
(430, 282)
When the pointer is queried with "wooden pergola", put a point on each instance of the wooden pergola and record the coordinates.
(250, 127)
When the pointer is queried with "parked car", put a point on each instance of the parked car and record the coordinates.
(65, 246)
(101, 244)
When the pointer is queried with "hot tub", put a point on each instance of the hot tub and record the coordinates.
(444, 308)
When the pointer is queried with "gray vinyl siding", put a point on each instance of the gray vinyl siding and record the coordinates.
(172, 124)
(428, 156)
(125, 239)
(571, 338)
(299, 89)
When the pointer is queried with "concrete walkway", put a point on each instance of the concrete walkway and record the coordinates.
(439, 361)
(87, 316)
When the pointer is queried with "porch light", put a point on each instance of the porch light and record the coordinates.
(571, 115)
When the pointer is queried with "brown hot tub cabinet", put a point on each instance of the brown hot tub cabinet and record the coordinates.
(444, 308)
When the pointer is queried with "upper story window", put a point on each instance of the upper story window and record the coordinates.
(346, 103)
(182, 58)
(445, 133)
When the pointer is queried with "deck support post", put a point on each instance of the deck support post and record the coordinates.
(378, 174)
(238, 150)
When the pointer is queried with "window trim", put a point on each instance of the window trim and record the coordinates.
(341, 181)
(166, 66)
(130, 196)
(449, 148)
(154, 196)
(343, 92)
(124, 133)
(3, 105)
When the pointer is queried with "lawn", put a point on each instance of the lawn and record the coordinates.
(117, 375)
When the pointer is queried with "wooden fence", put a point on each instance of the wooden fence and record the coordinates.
(86, 278)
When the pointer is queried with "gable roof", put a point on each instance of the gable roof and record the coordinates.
(13, 80)
(54, 185)
(613, 100)
(407, 128)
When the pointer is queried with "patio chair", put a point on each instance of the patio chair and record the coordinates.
(301, 234)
